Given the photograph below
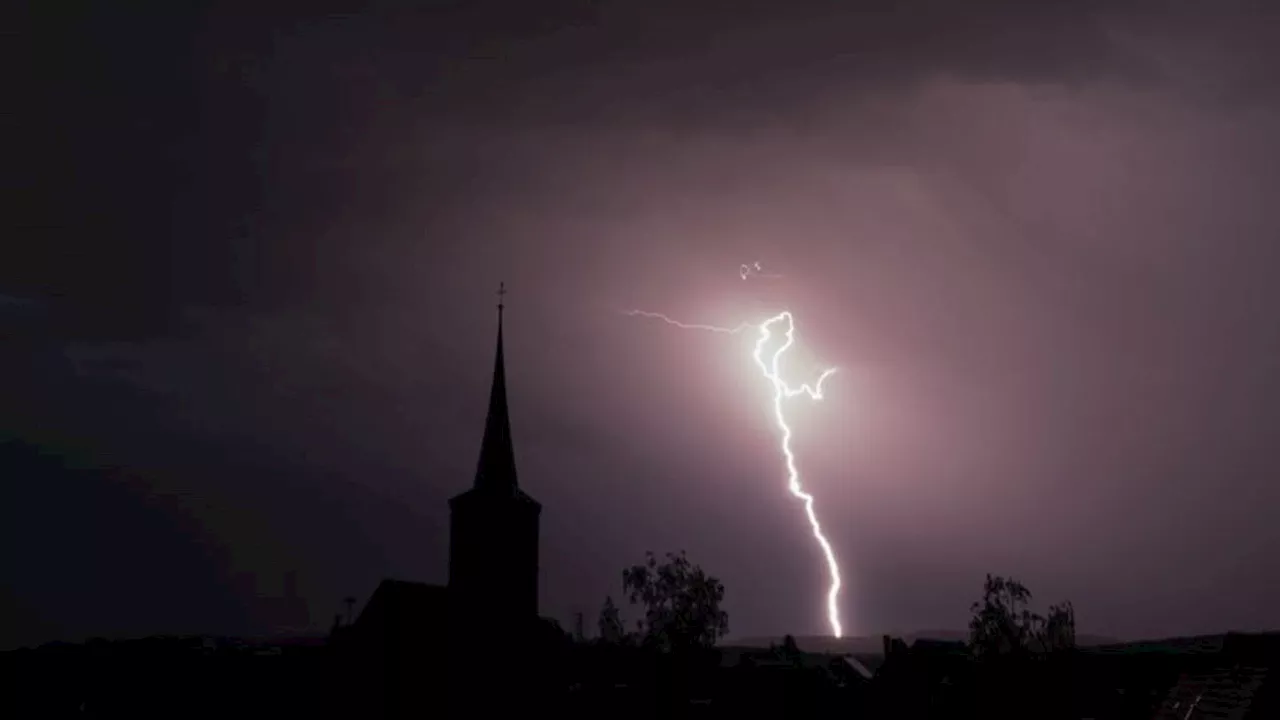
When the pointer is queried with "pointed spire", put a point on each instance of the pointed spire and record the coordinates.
(497, 467)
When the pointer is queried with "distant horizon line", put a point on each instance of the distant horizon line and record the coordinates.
(745, 641)
(1092, 639)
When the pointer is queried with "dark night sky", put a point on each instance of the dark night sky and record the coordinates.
(246, 303)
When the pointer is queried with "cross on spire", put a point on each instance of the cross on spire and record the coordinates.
(502, 291)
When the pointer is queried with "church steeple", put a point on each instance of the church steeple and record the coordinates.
(496, 470)
(493, 527)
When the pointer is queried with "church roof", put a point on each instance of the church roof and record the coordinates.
(400, 606)
(496, 469)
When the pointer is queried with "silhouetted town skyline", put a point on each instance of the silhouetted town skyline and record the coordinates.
(247, 338)
(479, 645)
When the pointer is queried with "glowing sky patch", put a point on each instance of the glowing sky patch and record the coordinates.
(782, 391)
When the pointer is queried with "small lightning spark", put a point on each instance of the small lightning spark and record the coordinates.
(781, 391)
(754, 269)
(688, 326)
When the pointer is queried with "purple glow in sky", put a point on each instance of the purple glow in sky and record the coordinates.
(245, 326)
(783, 391)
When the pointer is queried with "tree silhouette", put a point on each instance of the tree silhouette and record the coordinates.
(1059, 631)
(610, 623)
(681, 603)
(1003, 623)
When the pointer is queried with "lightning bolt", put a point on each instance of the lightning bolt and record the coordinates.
(781, 391)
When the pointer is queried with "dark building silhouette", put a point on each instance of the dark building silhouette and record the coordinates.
(493, 537)
(428, 649)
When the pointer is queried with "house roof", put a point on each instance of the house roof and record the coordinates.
(1223, 692)
(404, 607)
(858, 667)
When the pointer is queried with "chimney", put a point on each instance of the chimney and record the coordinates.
(888, 646)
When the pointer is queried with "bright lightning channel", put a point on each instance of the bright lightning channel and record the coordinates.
(782, 391)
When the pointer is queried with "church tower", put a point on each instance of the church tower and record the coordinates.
(493, 535)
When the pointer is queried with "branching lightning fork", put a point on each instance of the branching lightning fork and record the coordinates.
(689, 326)
(782, 391)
